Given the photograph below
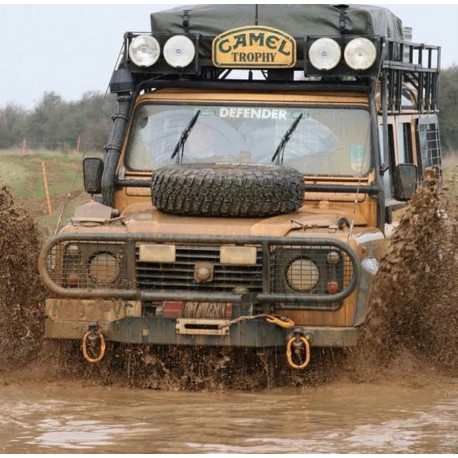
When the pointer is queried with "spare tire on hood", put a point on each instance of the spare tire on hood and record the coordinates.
(244, 190)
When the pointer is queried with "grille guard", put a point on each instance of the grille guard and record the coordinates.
(131, 292)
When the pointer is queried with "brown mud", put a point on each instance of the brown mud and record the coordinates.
(412, 323)
(411, 332)
(21, 294)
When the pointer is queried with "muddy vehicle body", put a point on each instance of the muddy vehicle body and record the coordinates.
(250, 180)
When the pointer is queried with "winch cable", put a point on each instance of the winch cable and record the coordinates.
(208, 311)
(283, 322)
(85, 151)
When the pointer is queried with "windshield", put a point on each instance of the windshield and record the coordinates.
(325, 141)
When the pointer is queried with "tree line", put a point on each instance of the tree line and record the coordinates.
(56, 124)
(448, 106)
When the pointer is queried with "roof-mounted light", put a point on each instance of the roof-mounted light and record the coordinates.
(144, 50)
(179, 51)
(324, 54)
(360, 54)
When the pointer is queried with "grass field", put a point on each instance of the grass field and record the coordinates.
(23, 174)
(450, 168)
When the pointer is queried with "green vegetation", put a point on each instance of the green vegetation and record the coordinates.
(55, 124)
(22, 173)
(448, 101)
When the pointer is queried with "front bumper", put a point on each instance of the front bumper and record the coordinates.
(127, 310)
(71, 319)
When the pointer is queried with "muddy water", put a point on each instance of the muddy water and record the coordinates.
(355, 418)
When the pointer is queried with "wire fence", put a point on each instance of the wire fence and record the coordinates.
(76, 145)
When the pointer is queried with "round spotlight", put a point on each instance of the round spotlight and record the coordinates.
(104, 269)
(333, 258)
(73, 250)
(144, 50)
(360, 54)
(179, 51)
(324, 54)
(302, 275)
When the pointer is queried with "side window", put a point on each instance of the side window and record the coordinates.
(404, 142)
(388, 160)
(428, 142)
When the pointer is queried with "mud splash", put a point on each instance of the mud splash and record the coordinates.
(183, 368)
(412, 324)
(21, 294)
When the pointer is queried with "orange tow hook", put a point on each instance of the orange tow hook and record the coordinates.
(298, 351)
(93, 344)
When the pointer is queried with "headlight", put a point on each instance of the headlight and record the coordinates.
(103, 269)
(302, 275)
(324, 54)
(179, 51)
(360, 54)
(51, 259)
(144, 50)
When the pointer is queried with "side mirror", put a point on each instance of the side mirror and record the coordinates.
(92, 174)
(405, 181)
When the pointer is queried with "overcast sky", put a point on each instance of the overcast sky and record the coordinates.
(72, 49)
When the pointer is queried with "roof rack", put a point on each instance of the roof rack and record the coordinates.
(400, 66)
(412, 64)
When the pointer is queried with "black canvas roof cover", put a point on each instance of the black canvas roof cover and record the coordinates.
(297, 20)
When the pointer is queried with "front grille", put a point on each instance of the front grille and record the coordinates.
(308, 270)
(104, 265)
(312, 271)
(88, 265)
(179, 275)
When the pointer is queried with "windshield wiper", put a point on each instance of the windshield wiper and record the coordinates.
(279, 152)
(183, 137)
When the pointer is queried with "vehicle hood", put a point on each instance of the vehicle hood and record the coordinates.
(152, 220)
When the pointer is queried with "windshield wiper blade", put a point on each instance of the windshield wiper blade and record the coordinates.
(278, 155)
(183, 137)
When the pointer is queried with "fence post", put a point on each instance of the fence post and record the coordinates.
(24, 145)
(78, 142)
(45, 183)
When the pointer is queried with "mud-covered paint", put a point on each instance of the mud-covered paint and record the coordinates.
(371, 245)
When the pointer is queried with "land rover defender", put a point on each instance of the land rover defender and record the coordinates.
(259, 157)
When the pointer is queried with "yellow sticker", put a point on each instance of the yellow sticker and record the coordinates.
(254, 47)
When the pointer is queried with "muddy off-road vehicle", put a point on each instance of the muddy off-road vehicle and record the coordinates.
(258, 158)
